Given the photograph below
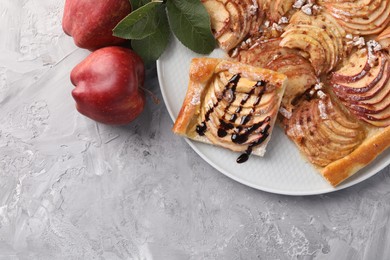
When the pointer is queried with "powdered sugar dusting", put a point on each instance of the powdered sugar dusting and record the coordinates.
(373, 47)
(307, 9)
(299, 3)
(319, 86)
(196, 97)
(253, 7)
(307, 6)
(322, 109)
(287, 114)
(321, 94)
(283, 20)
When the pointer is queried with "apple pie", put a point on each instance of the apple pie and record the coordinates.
(335, 105)
(231, 105)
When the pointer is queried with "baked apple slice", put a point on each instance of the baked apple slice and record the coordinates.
(364, 84)
(300, 74)
(315, 41)
(231, 105)
(276, 9)
(359, 67)
(360, 17)
(270, 55)
(257, 11)
(219, 17)
(317, 36)
(233, 20)
(359, 7)
(384, 39)
(323, 132)
(326, 22)
(366, 90)
(311, 46)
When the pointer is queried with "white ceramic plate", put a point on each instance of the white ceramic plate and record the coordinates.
(283, 170)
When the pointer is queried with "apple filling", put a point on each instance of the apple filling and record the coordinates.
(319, 37)
(276, 9)
(323, 132)
(270, 55)
(384, 38)
(237, 112)
(232, 20)
(364, 88)
(360, 17)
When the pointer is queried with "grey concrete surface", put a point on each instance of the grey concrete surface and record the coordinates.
(74, 189)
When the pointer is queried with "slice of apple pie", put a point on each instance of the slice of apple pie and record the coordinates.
(231, 105)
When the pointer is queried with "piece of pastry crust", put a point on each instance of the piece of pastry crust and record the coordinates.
(202, 73)
(376, 143)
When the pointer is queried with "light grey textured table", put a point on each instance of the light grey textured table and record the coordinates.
(74, 189)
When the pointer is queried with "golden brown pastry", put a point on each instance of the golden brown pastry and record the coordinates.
(231, 105)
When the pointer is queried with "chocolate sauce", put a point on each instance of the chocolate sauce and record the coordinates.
(240, 138)
(243, 158)
(241, 133)
(233, 118)
(232, 84)
(304, 96)
(264, 135)
(222, 131)
(246, 119)
(201, 129)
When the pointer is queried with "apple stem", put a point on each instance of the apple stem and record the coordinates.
(154, 97)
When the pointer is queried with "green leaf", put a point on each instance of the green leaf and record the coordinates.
(135, 4)
(151, 47)
(139, 23)
(190, 22)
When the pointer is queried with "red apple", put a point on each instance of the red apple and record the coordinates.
(108, 85)
(90, 22)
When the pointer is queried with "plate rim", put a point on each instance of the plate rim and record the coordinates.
(191, 143)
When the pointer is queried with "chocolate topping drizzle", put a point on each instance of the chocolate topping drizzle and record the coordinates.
(232, 84)
(240, 133)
